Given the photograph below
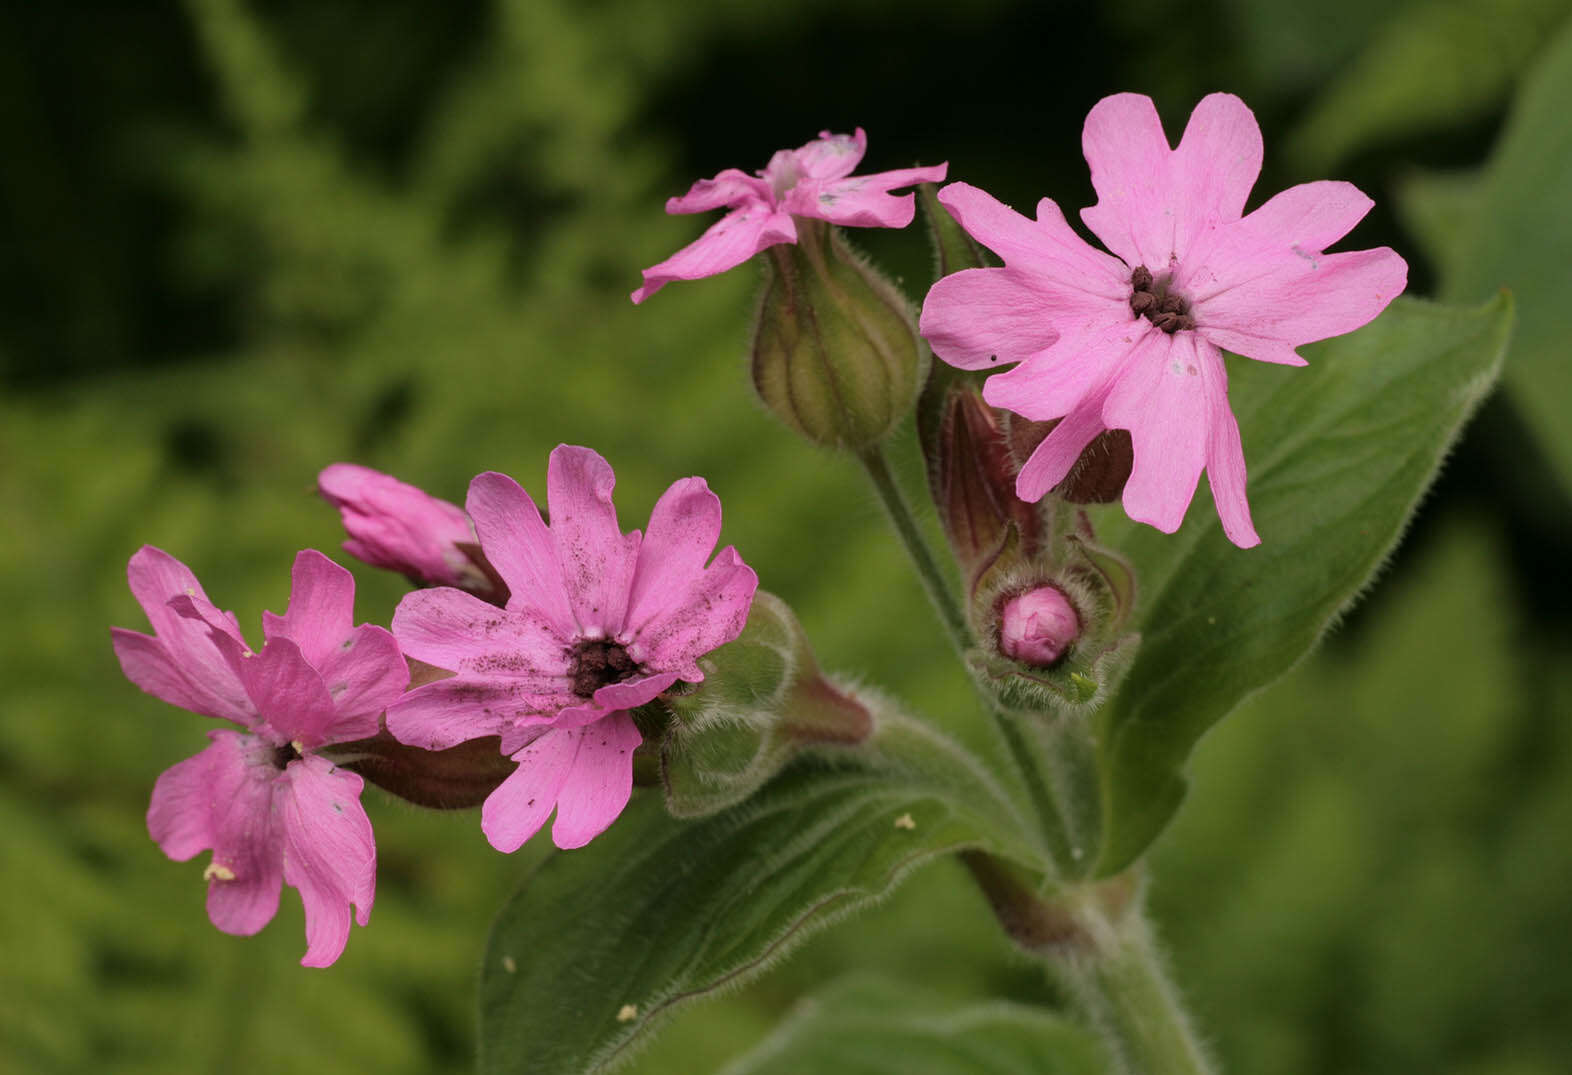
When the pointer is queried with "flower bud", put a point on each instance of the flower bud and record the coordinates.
(1037, 627)
(1054, 630)
(835, 348)
(972, 475)
(394, 525)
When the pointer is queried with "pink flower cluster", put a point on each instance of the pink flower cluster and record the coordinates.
(265, 801)
(595, 624)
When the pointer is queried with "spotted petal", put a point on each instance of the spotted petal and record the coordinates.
(329, 852)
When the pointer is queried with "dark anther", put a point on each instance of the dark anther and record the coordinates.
(285, 753)
(1167, 310)
(597, 662)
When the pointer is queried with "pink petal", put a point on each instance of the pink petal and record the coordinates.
(457, 631)
(180, 817)
(1225, 464)
(979, 318)
(597, 789)
(831, 156)
(288, 692)
(520, 547)
(364, 676)
(629, 694)
(597, 558)
(232, 796)
(1153, 203)
(729, 242)
(1054, 381)
(632, 693)
(1264, 286)
(520, 805)
(862, 201)
(453, 711)
(321, 609)
(712, 612)
(1318, 297)
(1050, 462)
(1166, 403)
(1305, 219)
(1045, 250)
(728, 189)
(329, 853)
(156, 579)
(1216, 164)
(146, 662)
(684, 527)
(1128, 153)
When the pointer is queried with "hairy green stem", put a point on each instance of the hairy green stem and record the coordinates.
(877, 464)
(1094, 938)
(1051, 822)
(1126, 993)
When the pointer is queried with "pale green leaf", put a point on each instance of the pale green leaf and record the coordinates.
(601, 944)
(1431, 66)
(1339, 455)
(866, 1026)
(1518, 236)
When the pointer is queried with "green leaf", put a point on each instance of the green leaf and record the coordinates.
(600, 945)
(1433, 65)
(1440, 209)
(866, 1026)
(1517, 236)
(1339, 455)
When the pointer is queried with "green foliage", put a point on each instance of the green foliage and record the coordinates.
(1339, 455)
(599, 946)
(1373, 878)
(1509, 227)
(867, 1026)
(1388, 822)
(1430, 66)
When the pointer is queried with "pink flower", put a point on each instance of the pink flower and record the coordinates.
(394, 525)
(598, 623)
(265, 801)
(813, 181)
(1133, 341)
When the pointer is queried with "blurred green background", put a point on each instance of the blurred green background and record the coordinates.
(239, 242)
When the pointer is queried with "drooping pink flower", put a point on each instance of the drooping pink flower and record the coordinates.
(598, 623)
(1133, 340)
(394, 525)
(265, 801)
(814, 180)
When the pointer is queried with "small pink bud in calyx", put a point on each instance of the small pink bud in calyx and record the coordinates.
(1038, 626)
(400, 527)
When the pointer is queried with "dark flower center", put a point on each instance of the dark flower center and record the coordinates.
(1151, 299)
(285, 753)
(598, 662)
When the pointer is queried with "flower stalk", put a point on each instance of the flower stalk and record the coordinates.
(1095, 940)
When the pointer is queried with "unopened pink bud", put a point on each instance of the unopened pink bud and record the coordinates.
(1037, 627)
(394, 525)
